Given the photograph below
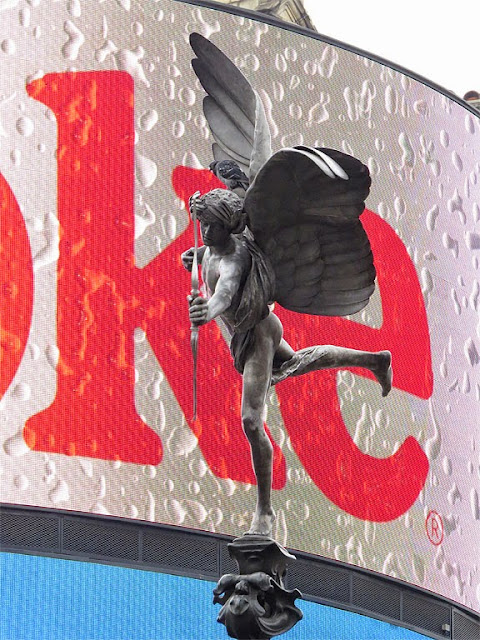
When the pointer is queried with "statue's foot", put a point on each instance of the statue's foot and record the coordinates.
(382, 370)
(262, 523)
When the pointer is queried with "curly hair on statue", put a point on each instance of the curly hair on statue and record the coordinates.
(225, 206)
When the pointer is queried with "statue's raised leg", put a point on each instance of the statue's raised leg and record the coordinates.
(332, 357)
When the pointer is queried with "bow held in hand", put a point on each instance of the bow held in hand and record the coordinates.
(198, 310)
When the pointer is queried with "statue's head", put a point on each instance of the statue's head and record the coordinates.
(222, 206)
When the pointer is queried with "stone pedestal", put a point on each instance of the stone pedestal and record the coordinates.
(255, 604)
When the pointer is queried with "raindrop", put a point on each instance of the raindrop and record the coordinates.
(450, 243)
(433, 444)
(310, 67)
(457, 161)
(280, 63)
(137, 28)
(76, 39)
(421, 107)
(471, 353)
(431, 218)
(447, 466)
(169, 225)
(187, 96)
(16, 157)
(74, 8)
(8, 46)
(278, 91)
(454, 494)
(469, 124)
(327, 62)
(60, 493)
(474, 504)
(174, 510)
(178, 129)
(21, 482)
(22, 391)
(391, 100)
(25, 126)
(148, 120)
(24, 16)
(295, 111)
(472, 240)
(145, 170)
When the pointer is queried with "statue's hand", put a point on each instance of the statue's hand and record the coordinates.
(187, 258)
(191, 200)
(198, 310)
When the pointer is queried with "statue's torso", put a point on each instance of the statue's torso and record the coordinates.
(211, 268)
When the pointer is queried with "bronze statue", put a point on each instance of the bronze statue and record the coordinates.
(285, 230)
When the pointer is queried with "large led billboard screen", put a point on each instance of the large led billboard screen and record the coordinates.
(103, 138)
(61, 601)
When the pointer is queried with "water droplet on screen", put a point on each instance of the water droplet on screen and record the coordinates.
(8, 47)
(198, 468)
(76, 39)
(74, 8)
(175, 512)
(457, 161)
(187, 96)
(148, 120)
(182, 441)
(454, 494)
(474, 503)
(431, 218)
(16, 446)
(16, 157)
(469, 123)
(22, 391)
(145, 170)
(433, 444)
(60, 493)
(24, 17)
(178, 129)
(327, 62)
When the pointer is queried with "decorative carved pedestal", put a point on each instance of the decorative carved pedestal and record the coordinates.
(256, 606)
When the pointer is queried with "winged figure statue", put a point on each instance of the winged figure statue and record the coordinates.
(285, 229)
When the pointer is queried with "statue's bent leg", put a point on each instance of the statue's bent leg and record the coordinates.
(256, 382)
(332, 357)
(283, 353)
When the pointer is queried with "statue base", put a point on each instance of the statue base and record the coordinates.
(255, 604)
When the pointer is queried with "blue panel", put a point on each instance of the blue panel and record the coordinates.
(53, 599)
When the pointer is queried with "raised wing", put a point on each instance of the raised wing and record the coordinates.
(303, 210)
(233, 110)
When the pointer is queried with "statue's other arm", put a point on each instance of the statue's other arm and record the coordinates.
(187, 257)
(228, 283)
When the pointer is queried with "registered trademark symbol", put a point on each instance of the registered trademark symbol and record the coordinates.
(434, 527)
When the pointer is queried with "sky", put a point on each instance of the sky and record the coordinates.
(436, 40)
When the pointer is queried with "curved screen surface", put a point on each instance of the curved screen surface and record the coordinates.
(142, 604)
(103, 139)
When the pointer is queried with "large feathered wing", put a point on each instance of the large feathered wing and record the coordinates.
(303, 208)
(233, 110)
